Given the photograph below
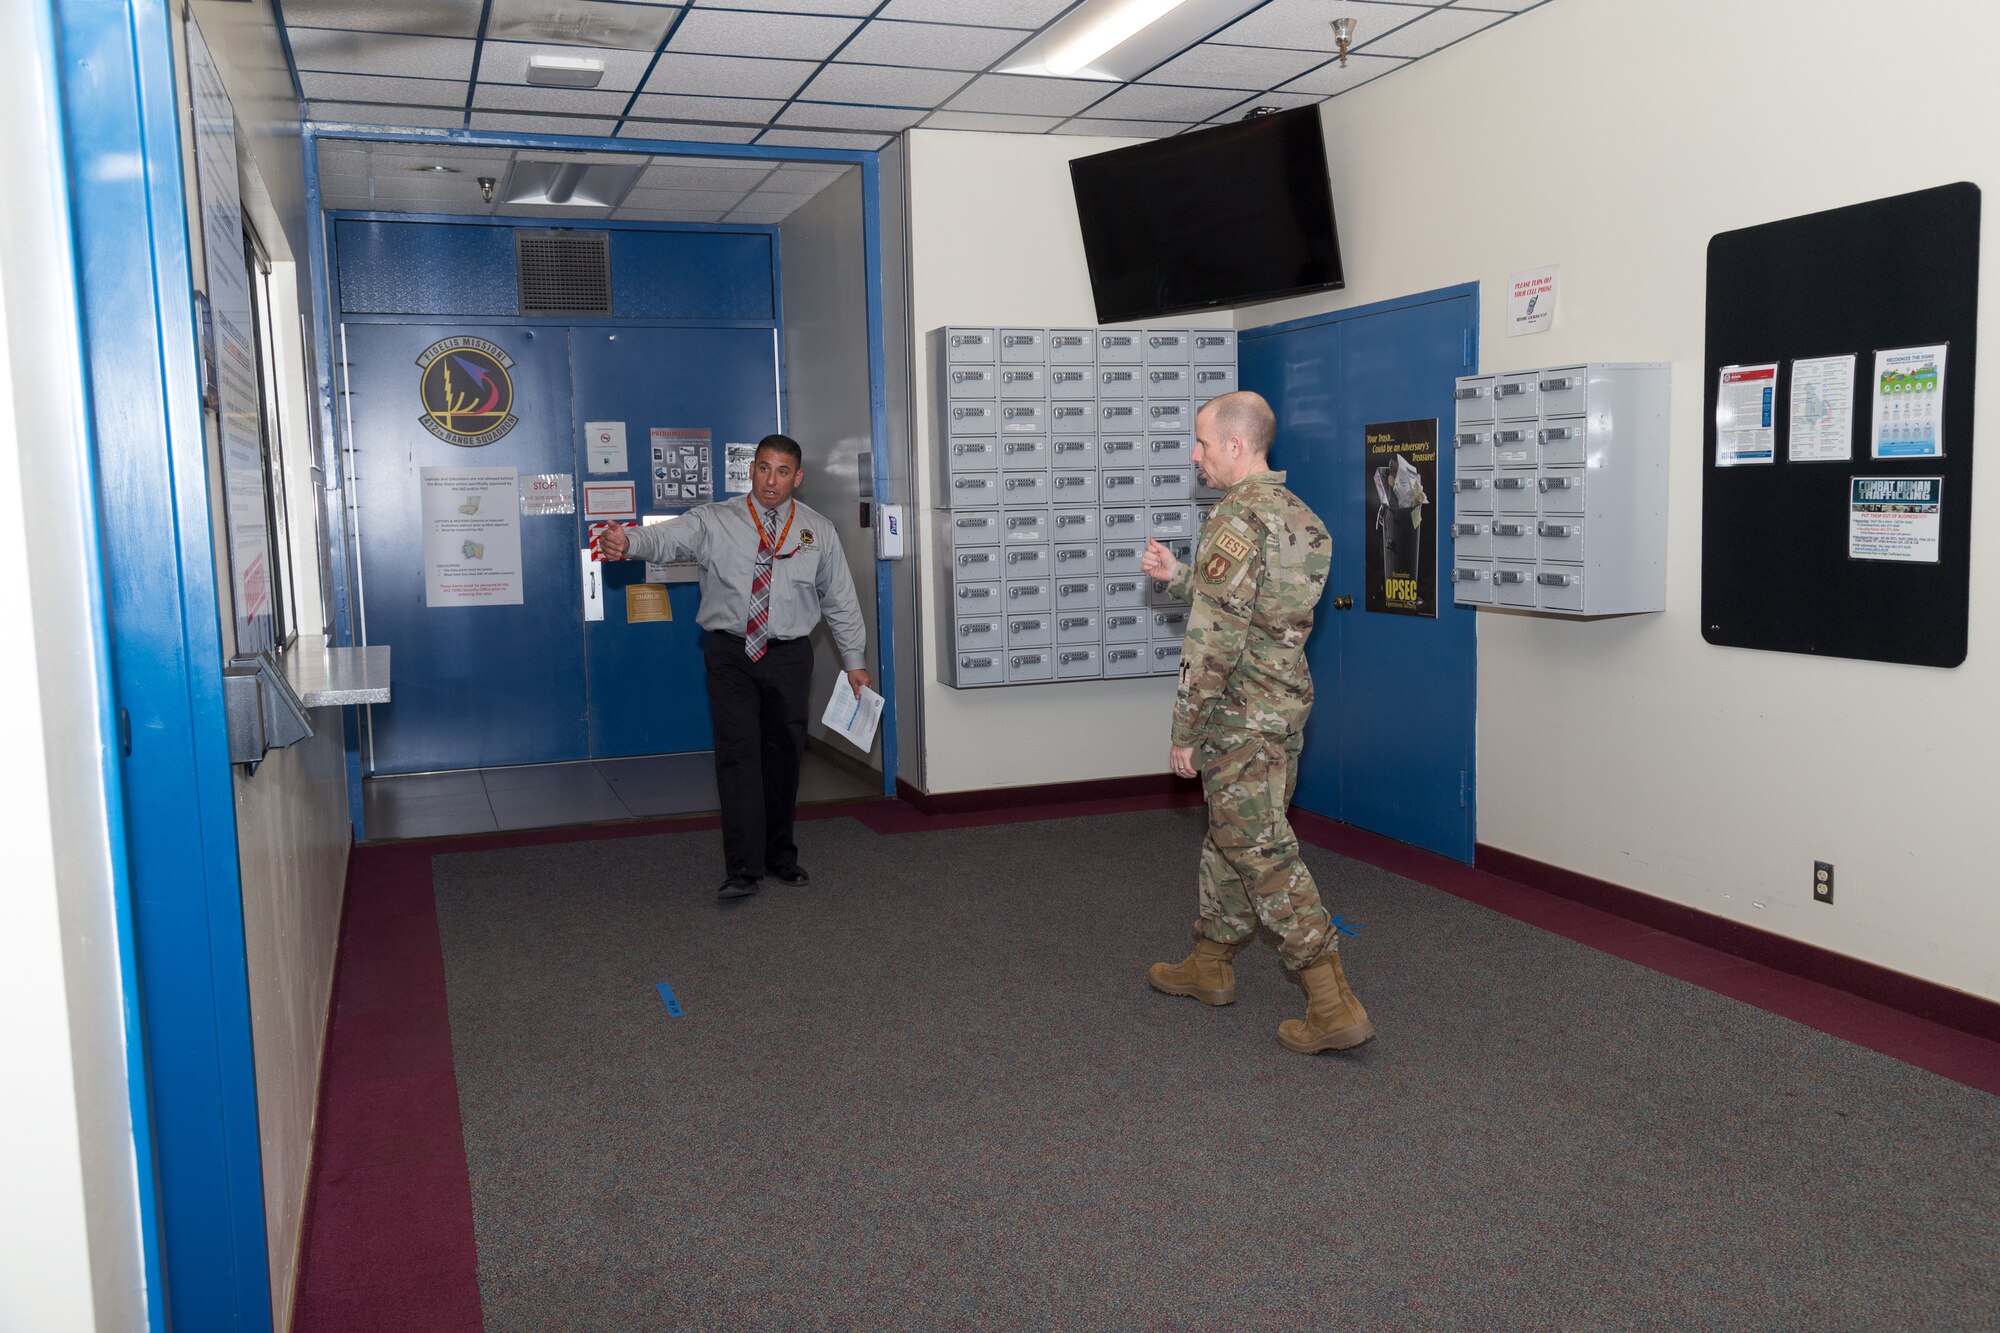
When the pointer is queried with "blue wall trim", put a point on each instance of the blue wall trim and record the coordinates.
(121, 109)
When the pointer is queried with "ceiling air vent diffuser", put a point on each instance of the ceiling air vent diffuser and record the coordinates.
(564, 272)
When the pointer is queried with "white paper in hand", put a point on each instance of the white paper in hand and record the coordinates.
(852, 716)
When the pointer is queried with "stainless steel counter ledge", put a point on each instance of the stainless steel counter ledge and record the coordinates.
(326, 677)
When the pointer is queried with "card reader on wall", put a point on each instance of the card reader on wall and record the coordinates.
(889, 520)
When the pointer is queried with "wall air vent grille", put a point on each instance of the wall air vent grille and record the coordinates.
(564, 272)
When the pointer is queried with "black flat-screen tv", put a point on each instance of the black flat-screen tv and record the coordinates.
(1213, 217)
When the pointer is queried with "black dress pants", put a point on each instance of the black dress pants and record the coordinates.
(759, 710)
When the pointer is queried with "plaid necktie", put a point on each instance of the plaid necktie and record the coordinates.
(758, 633)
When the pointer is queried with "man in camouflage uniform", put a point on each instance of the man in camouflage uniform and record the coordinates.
(1259, 569)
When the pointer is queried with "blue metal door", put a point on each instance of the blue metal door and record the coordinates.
(1390, 745)
(648, 692)
(476, 686)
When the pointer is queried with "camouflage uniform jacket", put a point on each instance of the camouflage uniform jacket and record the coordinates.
(1259, 568)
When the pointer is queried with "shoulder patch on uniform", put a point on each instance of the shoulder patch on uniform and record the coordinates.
(1231, 545)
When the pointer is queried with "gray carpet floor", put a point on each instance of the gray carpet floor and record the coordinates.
(933, 1090)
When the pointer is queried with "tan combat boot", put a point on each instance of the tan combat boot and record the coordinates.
(1334, 1019)
(1205, 974)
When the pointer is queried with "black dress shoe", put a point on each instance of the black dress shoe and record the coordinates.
(794, 875)
(736, 886)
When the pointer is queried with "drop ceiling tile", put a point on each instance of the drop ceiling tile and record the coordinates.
(689, 173)
(667, 215)
(343, 52)
(1440, 27)
(1122, 129)
(507, 62)
(676, 131)
(437, 18)
(356, 200)
(722, 76)
(795, 6)
(1021, 94)
(364, 88)
(1510, 6)
(1251, 68)
(987, 121)
(931, 45)
(718, 201)
(832, 116)
(1000, 13)
(1305, 24)
(339, 160)
(803, 177)
(399, 117)
(612, 159)
(883, 85)
(720, 32)
(519, 124)
(746, 109)
(820, 139)
(1282, 101)
(549, 101)
(580, 23)
(1152, 101)
(1330, 79)
(755, 219)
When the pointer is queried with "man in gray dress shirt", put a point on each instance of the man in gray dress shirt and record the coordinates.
(770, 569)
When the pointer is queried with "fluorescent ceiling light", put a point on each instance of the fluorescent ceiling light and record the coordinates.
(1114, 27)
(576, 184)
(565, 71)
(1118, 40)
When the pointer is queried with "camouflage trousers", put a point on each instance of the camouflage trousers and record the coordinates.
(1250, 866)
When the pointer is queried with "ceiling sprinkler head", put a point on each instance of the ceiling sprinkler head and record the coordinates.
(1343, 33)
(486, 184)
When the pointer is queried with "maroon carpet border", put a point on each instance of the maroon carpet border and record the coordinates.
(1898, 990)
(387, 1240)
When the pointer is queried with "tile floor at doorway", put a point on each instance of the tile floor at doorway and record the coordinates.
(489, 800)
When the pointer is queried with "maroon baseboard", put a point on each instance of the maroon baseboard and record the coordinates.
(1054, 793)
(1911, 995)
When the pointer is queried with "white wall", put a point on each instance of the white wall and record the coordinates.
(973, 262)
(70, 1247)
(820, 249)
(1708, 776)
(292, 827)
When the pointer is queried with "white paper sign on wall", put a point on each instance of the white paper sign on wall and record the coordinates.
(1531, 300)
(605, 445)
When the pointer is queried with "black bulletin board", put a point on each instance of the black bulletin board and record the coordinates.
(1775, 569)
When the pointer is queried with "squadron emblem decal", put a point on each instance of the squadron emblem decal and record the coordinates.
(467, 394)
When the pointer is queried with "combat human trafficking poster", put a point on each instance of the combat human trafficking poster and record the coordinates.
(1400, 460)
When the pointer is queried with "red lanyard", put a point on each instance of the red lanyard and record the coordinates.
(764, 541)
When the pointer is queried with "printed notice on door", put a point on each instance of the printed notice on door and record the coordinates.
(472, 536)
(1399, 461)
(1746, 402)
(1894, 518)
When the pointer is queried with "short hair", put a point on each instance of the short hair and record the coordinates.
(783, 444)
(1246, 414)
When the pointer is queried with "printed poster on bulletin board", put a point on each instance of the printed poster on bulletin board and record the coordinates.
(1401, 462)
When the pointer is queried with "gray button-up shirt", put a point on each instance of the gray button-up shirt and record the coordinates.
(809, 575)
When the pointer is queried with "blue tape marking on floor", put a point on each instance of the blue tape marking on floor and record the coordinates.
(667, 994)
(1346, 927)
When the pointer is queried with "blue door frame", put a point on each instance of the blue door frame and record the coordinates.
(326, 303)
(187, 1002)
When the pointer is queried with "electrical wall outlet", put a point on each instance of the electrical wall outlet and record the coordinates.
(1822, 881)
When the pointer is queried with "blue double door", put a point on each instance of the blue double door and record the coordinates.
(1390, 745)
(488, 685)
